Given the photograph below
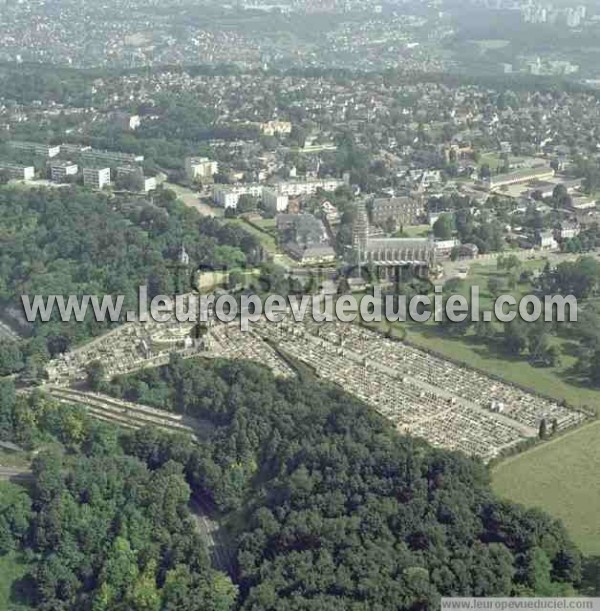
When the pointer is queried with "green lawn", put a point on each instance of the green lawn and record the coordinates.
(491, 159)
(266, 240)
(268, 225)
(560, 477)
(415, 231)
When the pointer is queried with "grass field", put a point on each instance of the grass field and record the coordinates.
(560, 477)
(415, 231)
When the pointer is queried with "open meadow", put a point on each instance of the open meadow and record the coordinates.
(560, 477)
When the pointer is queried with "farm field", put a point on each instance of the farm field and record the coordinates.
(559, 477)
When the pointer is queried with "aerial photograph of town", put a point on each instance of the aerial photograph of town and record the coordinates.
(299, 305)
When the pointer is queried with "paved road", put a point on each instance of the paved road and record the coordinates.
(218, 543)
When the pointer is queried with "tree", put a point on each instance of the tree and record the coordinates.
(96, 374)
(443, 228)
(247, 203)
(594, 368)
(515, 337)
(8, 400)
(495, 286)
(560, 196)
(509, 263)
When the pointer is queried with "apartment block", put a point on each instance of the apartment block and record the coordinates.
(273, 199)
(60, 170)
(44, 150)
(18, 172)
(96, 178)
(200, 168)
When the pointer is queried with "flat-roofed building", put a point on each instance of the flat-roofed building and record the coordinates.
(519, 177)
(200, 168)
(126, 120)
(132, 178)
(61, 170)
(546, 240)
(580, 204)
(272, 128)
(274, 200)
(96, 178)
(36, 148)
(110, 157)
(228, 196)
(74, 149)
(150, 184)
(295, 188)
(18, 172)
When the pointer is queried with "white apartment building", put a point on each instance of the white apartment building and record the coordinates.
(96, 178)
(200, 167)
(112, 157)
(127, 121)
(278, 194)
(139, 181)
(272, 128)
(295, 188)
(150, 183)
(228, 196)
(19, 172)
(271, 198)
(60, 170)
(45, 150)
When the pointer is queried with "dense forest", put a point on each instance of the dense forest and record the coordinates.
(99, 529)
(327, 507)
(72, 242)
